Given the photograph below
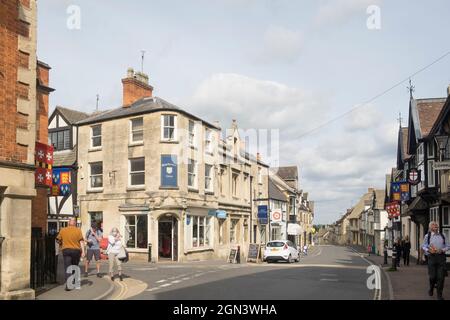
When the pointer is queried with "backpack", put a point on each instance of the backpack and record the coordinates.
(104, 244)
(429, 237)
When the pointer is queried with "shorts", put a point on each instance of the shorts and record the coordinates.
(93, 253)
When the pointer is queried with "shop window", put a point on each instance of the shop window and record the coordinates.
(136, 231)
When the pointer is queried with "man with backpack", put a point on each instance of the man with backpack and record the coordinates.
(435, 247)
(93, 239)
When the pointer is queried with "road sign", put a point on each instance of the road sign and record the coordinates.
(276, 215)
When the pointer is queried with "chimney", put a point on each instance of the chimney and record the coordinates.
(370, 190)
(135, 87)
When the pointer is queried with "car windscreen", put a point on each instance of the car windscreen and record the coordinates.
(277, 244)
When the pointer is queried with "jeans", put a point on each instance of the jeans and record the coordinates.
(71, 258)
(406, 258)
(436, 271)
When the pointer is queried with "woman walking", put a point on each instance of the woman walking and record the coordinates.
(114, 248)
(398, 251)
(406, 251)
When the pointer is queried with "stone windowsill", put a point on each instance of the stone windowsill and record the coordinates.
(95, 149)
(194, 190)
(136, 144)
(99, 190)
(135, 188)
(209, 193)
(169, 141)
(202, 249)
(168, 188)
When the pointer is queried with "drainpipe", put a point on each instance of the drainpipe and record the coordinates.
(251, 210)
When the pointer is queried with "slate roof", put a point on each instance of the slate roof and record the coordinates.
(72, 115)
(274, 192)
(425, 113)
(287, 173)
(142, 106)
(65, 158)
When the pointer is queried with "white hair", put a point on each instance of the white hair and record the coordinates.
(113, 230)
(431, 223)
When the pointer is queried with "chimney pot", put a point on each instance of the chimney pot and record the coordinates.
(135, 87)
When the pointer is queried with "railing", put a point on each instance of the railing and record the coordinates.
(44, 263)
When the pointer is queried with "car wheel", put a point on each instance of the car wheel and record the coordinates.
(289, 260)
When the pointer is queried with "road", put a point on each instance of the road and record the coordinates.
(328, 272)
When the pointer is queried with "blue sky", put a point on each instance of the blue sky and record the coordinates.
(287, 65)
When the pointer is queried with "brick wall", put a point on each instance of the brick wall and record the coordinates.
(134, 90)
(39, 209)
(9, 150)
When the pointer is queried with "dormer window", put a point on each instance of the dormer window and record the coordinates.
(60, 140)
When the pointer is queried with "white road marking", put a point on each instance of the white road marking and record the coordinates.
(328, 274)
(165, 285)
(175, 281)
(186, 278)
(333, 280)
(161, 281)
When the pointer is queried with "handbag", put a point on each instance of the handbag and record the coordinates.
(123, 255)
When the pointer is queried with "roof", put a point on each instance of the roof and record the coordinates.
(274, 192)
(287, 173)
(72, 115)
(404, 143)
(425, 113)
(380, 198)
(65, 158)
(441, 118)
(142, 106)
(359, 207)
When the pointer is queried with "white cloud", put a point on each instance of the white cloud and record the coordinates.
(338, 162)
(282, 44)
(339, 11)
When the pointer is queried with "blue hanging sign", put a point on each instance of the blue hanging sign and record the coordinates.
(169, 171)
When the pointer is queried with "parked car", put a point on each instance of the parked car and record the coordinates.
(281, 250)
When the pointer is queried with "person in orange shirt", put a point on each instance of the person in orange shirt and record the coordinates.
(72, 244)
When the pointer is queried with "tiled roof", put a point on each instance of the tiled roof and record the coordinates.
(427, 111)
(72, 115)
(65, 158)
(359, 208)
(287, 173)
(142, 106)
(380, 195)
(404, 146)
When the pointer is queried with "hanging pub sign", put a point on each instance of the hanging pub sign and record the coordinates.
(62, 181)
(263, 218)
(400, 191)
(169, 172)
(44, 161)
(414, 177)
(393, 209)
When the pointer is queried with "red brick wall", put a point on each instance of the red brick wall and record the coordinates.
(9, 149)
(42, 102)
(39, 207)
(134, 90)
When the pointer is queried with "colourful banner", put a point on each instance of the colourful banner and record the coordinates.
(393, 209)
(400, 191)
(62, 180)
(44, 161)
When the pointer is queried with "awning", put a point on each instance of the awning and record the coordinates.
(294, 229)
(418, 204)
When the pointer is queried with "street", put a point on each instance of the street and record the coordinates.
(328, 272)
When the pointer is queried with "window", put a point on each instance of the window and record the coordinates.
(168, 127)
(434, 214)
(201, 231)
(96, 217)
(431, 150)
(245, 187)
(96, 136)
(259, 175)
(136, 231)
(276, 233)
(192, 173)
(137, 130)
(191, 133)
(137, 172)
(431, 176)
(445, 216)
(208, 141)
(60, 140)
(234, 184)
(96, 175)
(209, 177)
(233, 228)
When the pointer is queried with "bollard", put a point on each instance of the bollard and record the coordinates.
(385, 262)
(149, 252)
(394, 259)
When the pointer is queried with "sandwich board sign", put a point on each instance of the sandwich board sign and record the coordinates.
(254, 251)
(234, 255)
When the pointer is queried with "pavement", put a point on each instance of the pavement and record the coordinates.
(326, 273)
(408, 282)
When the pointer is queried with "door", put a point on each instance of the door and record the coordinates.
(175, 240)
(165, 239)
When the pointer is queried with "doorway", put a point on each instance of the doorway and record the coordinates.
(168, 239)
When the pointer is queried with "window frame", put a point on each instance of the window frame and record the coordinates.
(209, 177)
(209, 149)
(96, 136)
(66, 137)
(133, 131)
(431, 176)
(194, 174)
(130, 173)
(163, 127)
(90, 187)
(198, 222)
(135, 225)
(191, 133)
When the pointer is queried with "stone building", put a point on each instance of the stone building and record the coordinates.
(166, 178)
(24, 108)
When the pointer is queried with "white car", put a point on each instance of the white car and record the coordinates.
(281, 250)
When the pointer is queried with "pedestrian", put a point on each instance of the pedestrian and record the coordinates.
(369, 249)
(72, 245)
(435, 247)
(406, 246)
(93, 239)
(114, 248)
(398, 251)
(305, 249)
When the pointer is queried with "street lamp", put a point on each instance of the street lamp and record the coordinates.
(442, 142)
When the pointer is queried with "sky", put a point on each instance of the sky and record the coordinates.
(305, 69)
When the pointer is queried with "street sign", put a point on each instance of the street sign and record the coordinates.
(443, 165)
(276, 215)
